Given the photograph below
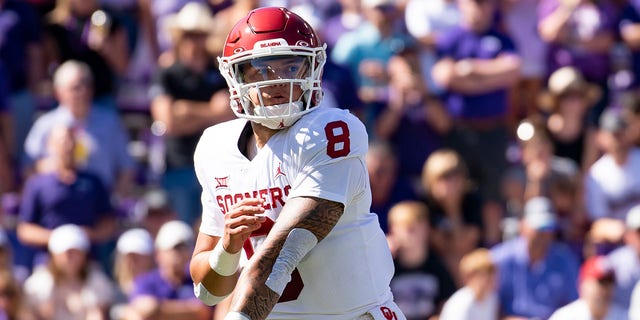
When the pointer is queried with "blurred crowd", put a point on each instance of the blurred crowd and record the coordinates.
(504, 160)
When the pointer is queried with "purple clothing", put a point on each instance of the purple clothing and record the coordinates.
(414, 125)
(522, 27)
(4, 89)
(534, 291)
(334, 28)
(460, 43)
(153, 284)
(50, 203)
(631, 15)
(19, 27)
(585, 22)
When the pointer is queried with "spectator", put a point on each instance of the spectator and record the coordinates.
(387, 187)
(167, 291)
(159, 12)
(349, 19)
(63, 195)
(366, 51)
(580, 33)
(421, 283)
(70, 287)
(567, 103)
(224, 21)
(631, 108)
(427, 21)
(153, 210)
(543, 174)
(338, 82)
(134, 257)
(6, 254)
(612, 184)
(73, 32)
(634, 312)
(537, 275)
(604, 236)
(520, 24)
(626, 259)
(21, 54)
(477, 65)
(12, 302)
(187, 97)
(100, 136)
(7, 175)
(6, 170)
(478, 299)
(455, 208)
(411, 112)
(596, 294)
(629, 27)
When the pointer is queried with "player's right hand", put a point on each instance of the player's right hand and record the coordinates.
(241, 220)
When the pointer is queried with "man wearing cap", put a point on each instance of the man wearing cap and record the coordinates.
(167, 291)
(596, 294)
(612, 184)
(188, 96)
(537, 275)
(626, 260)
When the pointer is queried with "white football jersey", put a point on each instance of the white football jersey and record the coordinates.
(322, 155)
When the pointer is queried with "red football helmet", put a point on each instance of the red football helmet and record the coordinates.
(270, 47)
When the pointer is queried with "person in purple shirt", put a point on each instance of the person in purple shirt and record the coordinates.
(63, 195)
(167, 291)
(536, 274)
(476, 66)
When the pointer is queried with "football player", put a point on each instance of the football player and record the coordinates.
(285, 189)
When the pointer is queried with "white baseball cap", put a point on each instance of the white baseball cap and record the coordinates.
(173, 233)
(633, 218)
(539, 214)
(67, 237)
(136, 240)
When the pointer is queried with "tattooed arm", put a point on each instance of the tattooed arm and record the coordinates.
(252, 296)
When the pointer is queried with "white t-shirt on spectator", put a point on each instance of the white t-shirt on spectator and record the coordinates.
(579, 310)
(463, 306)
(611, 190)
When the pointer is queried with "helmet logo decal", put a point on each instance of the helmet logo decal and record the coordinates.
(302, 43)
(238, 50)
(270, 43)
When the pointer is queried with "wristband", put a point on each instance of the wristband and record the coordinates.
(223, 262)
(205, 296)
